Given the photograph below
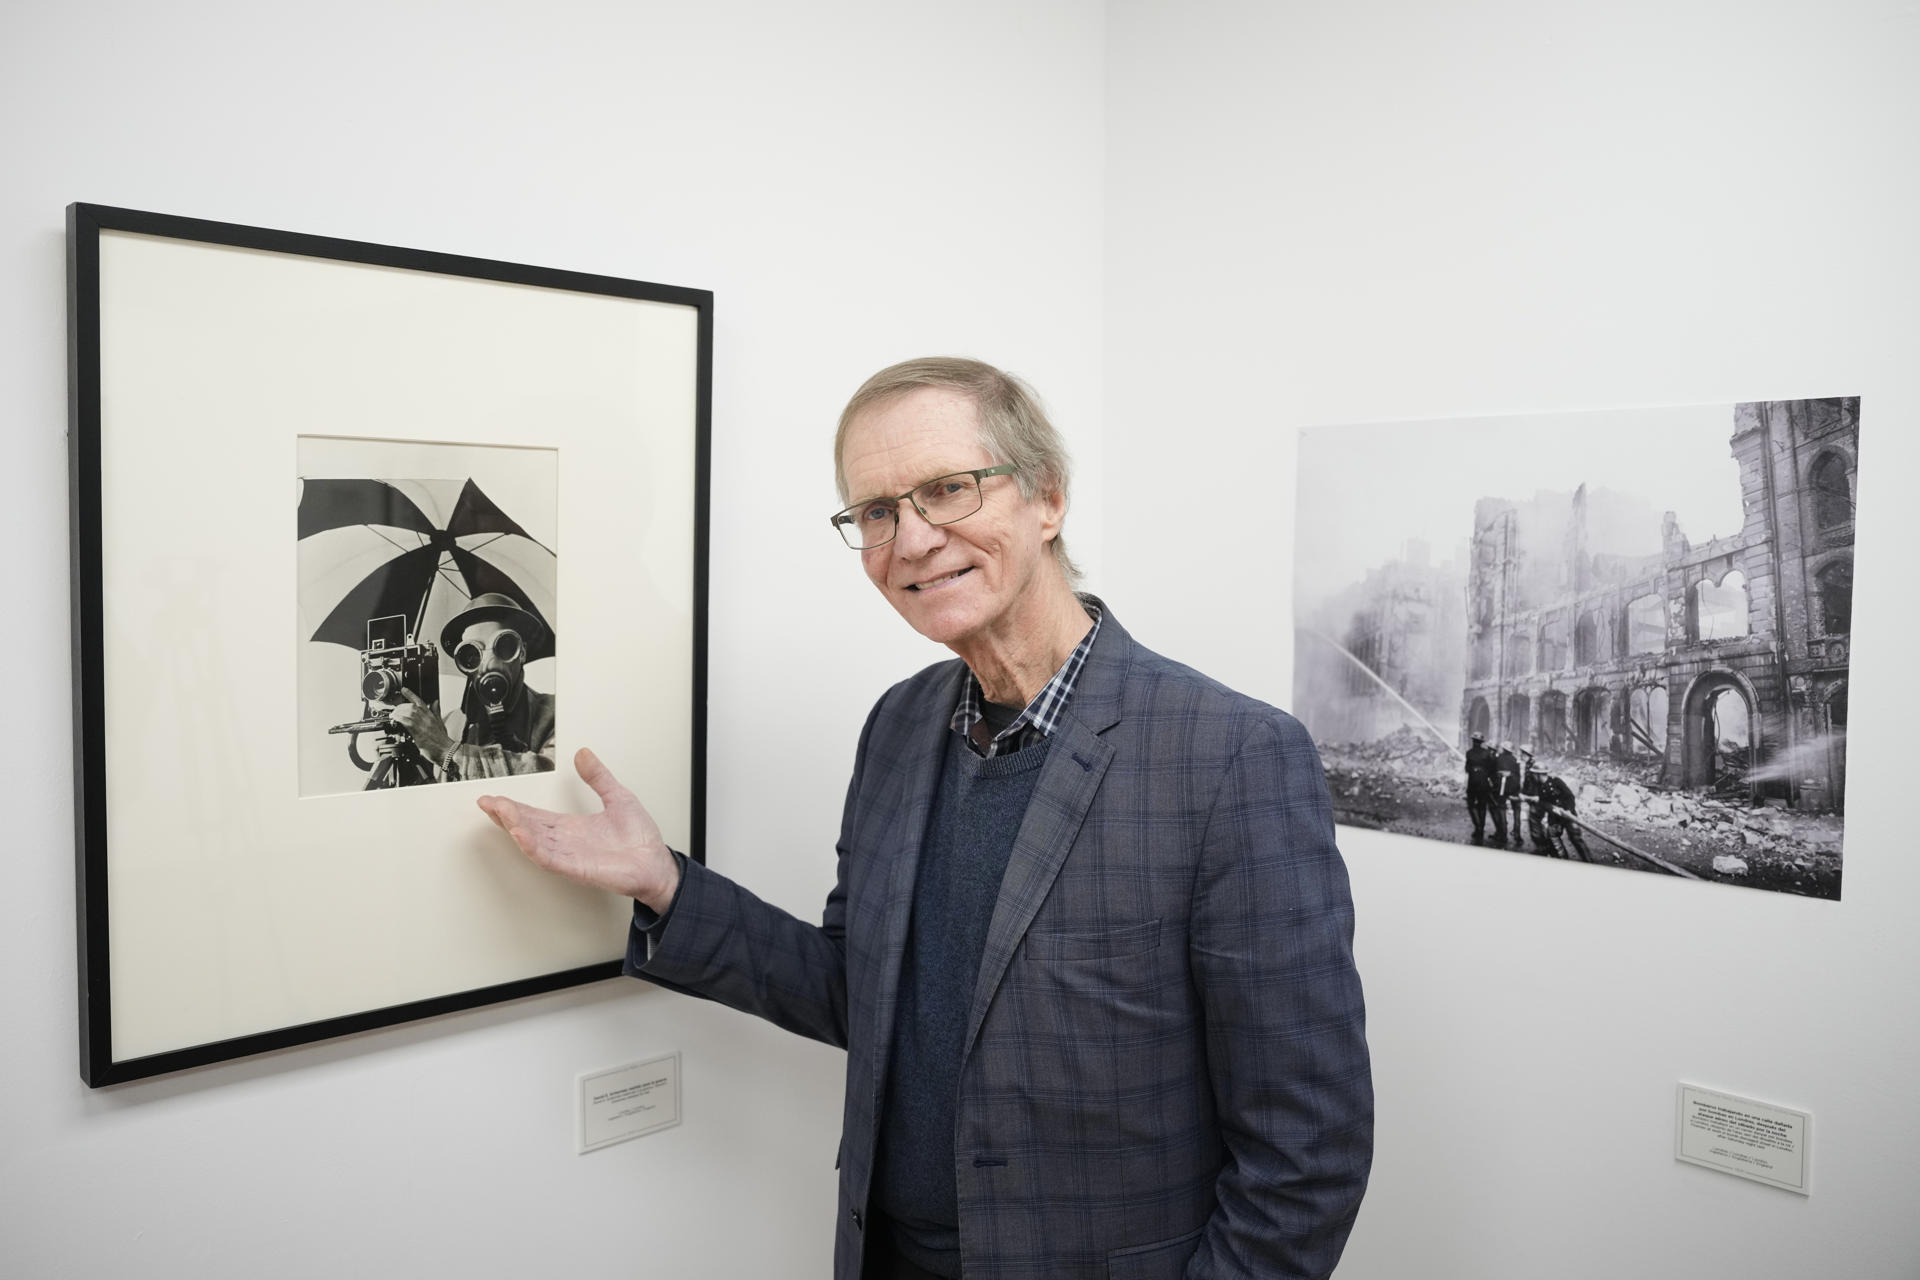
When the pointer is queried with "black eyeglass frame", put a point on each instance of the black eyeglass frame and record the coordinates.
(843, 520)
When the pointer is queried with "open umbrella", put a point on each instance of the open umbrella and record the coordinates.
(417, 548)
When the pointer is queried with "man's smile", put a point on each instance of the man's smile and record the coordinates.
(934, 584)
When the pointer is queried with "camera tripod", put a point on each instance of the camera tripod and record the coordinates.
(399, 764)
(403, 766)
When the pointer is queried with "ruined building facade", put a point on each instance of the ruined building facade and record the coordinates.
(1405, 623)
(1727, 661)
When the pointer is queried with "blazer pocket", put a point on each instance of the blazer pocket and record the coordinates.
(1094, 944)
(1162, 1260)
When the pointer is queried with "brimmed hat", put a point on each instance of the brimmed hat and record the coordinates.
(495, 606)
(1477, 736)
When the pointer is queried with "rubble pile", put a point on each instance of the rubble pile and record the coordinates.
(1795, 836)
(1405, 750)
(1410, 782)
(1642, 771)
(1387, 767)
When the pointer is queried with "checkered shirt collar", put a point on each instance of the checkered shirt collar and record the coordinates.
(1042, 715)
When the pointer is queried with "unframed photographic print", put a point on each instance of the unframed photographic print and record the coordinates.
(1617, 637)
(427, 579)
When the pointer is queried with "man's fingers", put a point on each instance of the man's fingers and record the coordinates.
(597, 775)
(413, 697)
(523, 823)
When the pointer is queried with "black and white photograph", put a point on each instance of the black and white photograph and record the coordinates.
(288, 704)
(1612, 637)
(427, 613)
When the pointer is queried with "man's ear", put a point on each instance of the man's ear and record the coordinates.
(1053, 514)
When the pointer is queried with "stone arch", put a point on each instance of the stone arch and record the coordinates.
(1831, 489)
(1720, 725)
(1592, 721)
(1479, 718)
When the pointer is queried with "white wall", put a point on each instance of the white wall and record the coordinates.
(1339, 213)
(857, 182)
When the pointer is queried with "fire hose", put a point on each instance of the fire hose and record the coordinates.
(1662, 863)
(1616, 841)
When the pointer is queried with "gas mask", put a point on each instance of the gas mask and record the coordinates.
(494, 659)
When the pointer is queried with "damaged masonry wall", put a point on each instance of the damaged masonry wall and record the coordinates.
(1727, 661)
(1406, 622)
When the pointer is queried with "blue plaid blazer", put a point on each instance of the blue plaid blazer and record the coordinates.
(1165, 1070)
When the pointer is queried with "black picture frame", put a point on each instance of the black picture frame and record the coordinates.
(645, 349)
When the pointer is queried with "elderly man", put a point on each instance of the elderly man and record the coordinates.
(1090, 946)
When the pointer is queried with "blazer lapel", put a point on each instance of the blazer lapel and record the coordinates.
(1077, 760)
(921, 758)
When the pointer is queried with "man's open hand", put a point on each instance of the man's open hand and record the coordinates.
(618, 849)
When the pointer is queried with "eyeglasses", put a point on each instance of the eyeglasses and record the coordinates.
(506, 646)
(941, 500)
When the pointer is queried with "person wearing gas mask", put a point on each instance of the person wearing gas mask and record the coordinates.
(507, 726)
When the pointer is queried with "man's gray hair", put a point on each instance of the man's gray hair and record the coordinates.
(1013, 427)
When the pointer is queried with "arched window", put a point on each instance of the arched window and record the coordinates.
(1647, 721)
(1646, 625)
(1591, 716)
(1836, 597)
(1514, 727)
(1586, 639)
(1832, 496)
(1553, 645)
(1550, 734)
(1729, 739)
(1720, 612)
(1519, 654)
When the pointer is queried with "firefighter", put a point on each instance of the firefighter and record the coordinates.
(1532, 788)
(1507, 780)
(1481, 798)
(1550, 804)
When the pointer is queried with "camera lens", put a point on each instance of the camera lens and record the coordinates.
(380, 685)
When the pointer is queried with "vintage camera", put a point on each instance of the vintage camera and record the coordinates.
(392, 663)
(390, 666)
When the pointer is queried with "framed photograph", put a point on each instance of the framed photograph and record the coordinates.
(360, 534)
